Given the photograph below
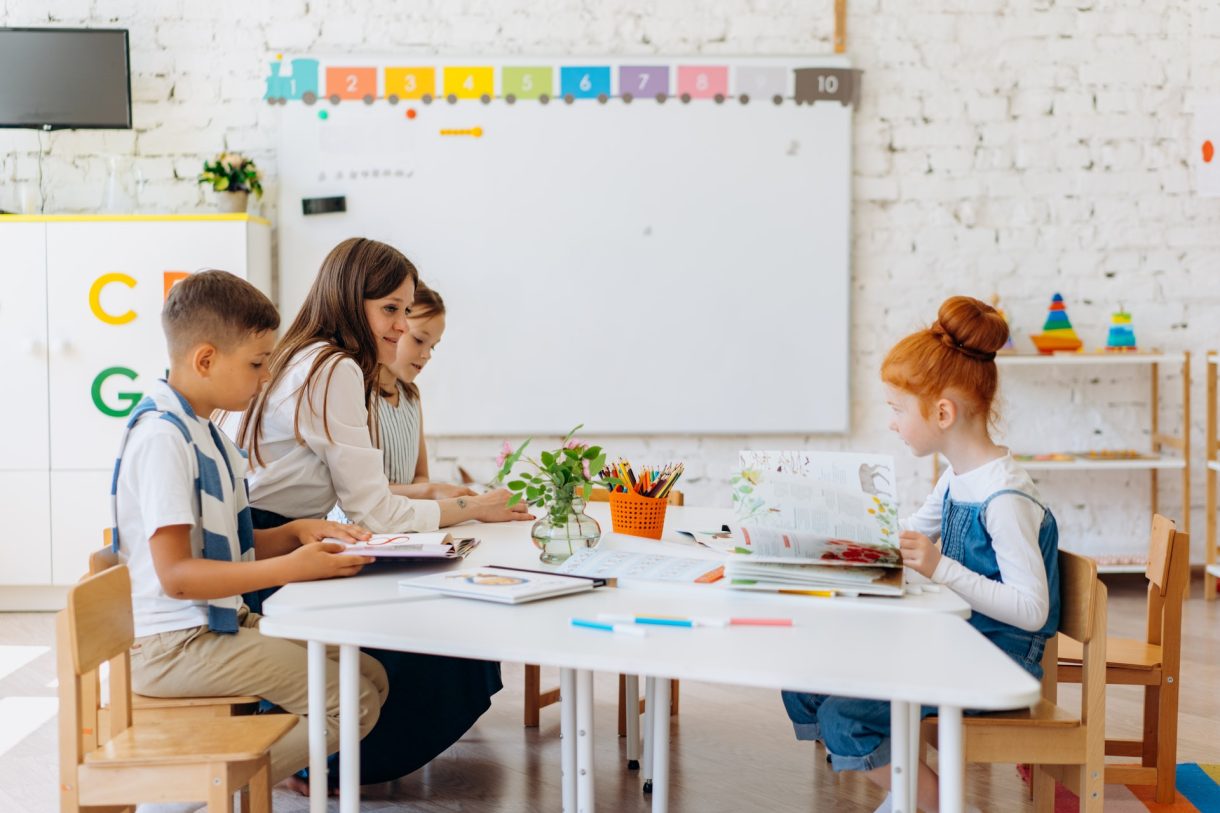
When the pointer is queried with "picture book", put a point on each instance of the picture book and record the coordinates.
(505, 585)
(436, 545)
(814, 521)
(829, 508)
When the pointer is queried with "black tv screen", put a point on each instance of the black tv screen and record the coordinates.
(58, 78)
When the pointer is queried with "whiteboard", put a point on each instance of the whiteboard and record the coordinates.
(639, 266)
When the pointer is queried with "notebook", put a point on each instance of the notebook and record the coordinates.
(502, 584)
(436, 545)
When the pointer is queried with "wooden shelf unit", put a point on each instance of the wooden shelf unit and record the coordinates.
(1211, 559)
(1167, 452)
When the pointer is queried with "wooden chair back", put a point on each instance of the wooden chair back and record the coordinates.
(1168, 574)
(1078, 594)
(102, 559)
(95, 627)
(1083, 617)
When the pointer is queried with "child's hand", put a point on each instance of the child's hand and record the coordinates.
(323, 560)
(315, 530)
(919, 553)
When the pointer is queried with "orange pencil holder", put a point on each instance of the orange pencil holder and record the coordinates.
(636, 515)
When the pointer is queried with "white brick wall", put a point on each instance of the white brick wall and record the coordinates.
(1001, 145)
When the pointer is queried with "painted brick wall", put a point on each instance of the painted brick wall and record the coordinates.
(1001, 146)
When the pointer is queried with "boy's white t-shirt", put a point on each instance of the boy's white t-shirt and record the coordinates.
(156, 489)
(1021, 597)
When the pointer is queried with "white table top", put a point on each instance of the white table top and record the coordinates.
(509, 544)
(931, 658)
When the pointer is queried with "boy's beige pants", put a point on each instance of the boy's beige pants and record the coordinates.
(197, 662)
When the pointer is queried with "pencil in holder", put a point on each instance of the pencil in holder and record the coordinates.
(636, 515)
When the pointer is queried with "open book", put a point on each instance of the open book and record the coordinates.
(814, 521)
(435, 545)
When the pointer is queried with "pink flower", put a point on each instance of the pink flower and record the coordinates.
(584, 464)
(574, 444)
(505, 451)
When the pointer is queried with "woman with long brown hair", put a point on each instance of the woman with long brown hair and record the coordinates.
(313, 441)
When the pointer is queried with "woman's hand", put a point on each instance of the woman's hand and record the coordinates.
(493, 507)
(919, 553)
(315, 530)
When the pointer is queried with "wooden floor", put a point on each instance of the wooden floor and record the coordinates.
(733, 748)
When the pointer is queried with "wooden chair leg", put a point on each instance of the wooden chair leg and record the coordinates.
(673, 698)
(1042, 789)
(1167, 743)
(220, 791)
(622, 705)
(533, 692)
(1152, 701)
(257, 795)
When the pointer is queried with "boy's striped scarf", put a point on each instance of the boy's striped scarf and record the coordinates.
(222, 501)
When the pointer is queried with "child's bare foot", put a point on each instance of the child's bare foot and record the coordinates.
(295, 784)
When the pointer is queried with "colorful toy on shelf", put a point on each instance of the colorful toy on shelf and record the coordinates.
(1057, 334)
(1121, 338)
(1008, 347)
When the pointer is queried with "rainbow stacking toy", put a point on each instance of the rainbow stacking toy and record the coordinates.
(1057, 334)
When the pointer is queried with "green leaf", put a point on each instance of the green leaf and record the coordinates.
(513, 500)
(587, 492)
(548, 459)
(592, 452)
(516, 485)
(569, 436)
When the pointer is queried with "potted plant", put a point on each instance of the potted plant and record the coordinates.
(560, 483)
(233, 177)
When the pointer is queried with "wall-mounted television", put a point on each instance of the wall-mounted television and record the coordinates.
(65, 78)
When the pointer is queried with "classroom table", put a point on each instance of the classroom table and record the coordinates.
(925, 633)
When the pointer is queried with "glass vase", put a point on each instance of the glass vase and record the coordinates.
(564, 529)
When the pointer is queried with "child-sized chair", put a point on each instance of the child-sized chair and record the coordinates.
(152, 709)
(1060, 745)
(1152, 662)
(119, 764)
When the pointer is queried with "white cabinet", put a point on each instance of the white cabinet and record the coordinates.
(80, 335)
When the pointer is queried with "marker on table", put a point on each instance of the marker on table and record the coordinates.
(663, 621)
(626, 629)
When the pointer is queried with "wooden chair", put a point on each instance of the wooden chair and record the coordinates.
(1152, 662)
(152, 709)
(536, 699)
(114, 766)
(1047, 736)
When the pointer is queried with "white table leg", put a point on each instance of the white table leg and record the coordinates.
(349, 729)
(900, 757)
(650, 703)
(567, 737)
(660, 748)
(317, 726)
(631, 709)
(952, 760)
(584, 741)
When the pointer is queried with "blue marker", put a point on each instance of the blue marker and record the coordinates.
(626, 629)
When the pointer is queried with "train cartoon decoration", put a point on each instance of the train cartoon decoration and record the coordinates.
(684, 83)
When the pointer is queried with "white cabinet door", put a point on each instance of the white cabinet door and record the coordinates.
(80, 514)
(25, 545)
(24, 442)
(108, 280)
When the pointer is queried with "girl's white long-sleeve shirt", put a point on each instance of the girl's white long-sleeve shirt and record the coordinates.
(1021, 597)
(306, 478)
